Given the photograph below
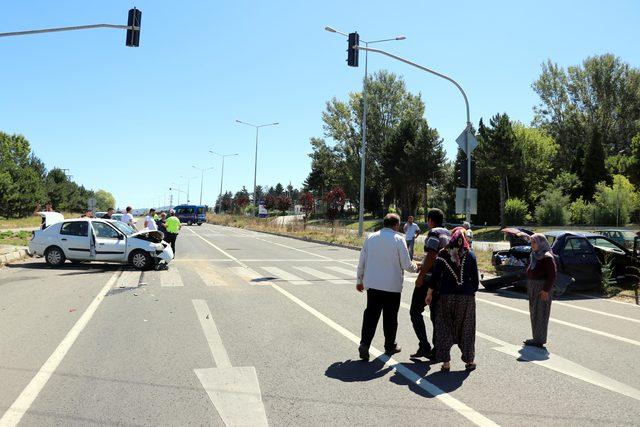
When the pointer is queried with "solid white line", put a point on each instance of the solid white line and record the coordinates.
(228, 255)
(453, 403)
(577, 307)
(219, 353)
(630, 304)
(21, 405)
(288, 260)
(562, 322)
(171, 277)
(286, 276)
(323, 276)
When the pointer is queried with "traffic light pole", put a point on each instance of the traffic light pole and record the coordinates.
(78, 27)
(466, 101)
(364, 144)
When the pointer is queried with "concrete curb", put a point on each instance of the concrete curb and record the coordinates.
(18, 254)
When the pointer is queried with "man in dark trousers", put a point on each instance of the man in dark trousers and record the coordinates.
(437, 238)
(383, 258)
(172, 225)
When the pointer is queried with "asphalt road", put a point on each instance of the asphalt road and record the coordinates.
(248, 329)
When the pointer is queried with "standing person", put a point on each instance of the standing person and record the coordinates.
(411, 231)
(455, 276)
(383, 258)
(149, 220)
(173, 228)
(127, 218)
(48, 207)
(109, 214)
(468, 232)
(437, 238)
(541, 275)
(161, 223)
(87, 214)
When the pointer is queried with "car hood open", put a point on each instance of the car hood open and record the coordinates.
(51, 218)
(514, 239)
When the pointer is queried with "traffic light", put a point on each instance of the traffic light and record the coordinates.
(135, 20)
(353, 53)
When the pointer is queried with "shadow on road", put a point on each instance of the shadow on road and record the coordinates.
(445, 381)
(72, 269)
(357, 370)
(532, 354)
(514, 292)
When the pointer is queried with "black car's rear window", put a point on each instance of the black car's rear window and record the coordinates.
(577, 246)
(76, 228)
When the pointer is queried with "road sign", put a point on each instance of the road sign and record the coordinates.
(461, 200)
(91, 204)
(462, 141)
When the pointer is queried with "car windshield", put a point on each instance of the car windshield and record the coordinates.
(125, 228)
(629, 235)
(603, 243)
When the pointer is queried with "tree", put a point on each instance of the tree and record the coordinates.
(105, 200)
(594, 166)
(538, 151)
(335, 200)
(553, 208)
(499, 156)
(283, 203)
(270, 201)
(614, 204)
(259, 193)
(241, 199)
(308, 203)
(278, 190)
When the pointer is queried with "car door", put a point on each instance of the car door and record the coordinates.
(580, 261)
(75, 240)
(110, 243)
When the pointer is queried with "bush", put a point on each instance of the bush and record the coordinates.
(516, 212)
(581, 212)
(553, 208)
(614, 204)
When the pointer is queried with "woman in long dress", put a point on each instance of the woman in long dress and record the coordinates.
(455, 276)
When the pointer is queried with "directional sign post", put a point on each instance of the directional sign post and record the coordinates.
(91, 204)
(467, 143)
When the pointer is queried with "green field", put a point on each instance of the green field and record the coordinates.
(19, 238)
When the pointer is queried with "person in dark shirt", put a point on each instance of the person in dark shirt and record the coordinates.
(455, 277)
(437, 238)
(161, 222)
(109, 214)
(541, 275)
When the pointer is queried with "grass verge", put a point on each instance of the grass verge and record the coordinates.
(18, 238)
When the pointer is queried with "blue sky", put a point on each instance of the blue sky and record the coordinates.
(133, 121)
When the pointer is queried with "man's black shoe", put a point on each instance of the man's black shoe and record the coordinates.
(364, 353)
(421, 353)
(390, 351)
(432, 354)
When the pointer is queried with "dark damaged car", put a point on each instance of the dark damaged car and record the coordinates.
(580, 258)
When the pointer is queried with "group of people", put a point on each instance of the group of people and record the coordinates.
(447, 281)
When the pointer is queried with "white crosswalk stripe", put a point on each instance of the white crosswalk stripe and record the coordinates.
(349, 272)
(171, 277)
(284, 275)
(323, 276)
(129, 279)
(209, 275)
(249, 275)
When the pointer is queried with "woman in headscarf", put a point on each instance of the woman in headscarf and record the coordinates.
(455, 277)
(541, 275)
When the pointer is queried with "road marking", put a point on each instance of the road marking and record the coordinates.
(228, 255)
(235, 392)
(350, 273)
(293, 249)
(323, 276)
(180, 260)
(562, 322)
(453, 403)
(129, 279)
(284, 275)
(630, 304)
(171, 277)
(250, 276)
(209, 275)
(577, 307)
(556, 363)
(288, 260)
(21, 405)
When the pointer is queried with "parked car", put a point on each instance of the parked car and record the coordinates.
(623, 237)
(580, 258)
(191, 214)
(93, 239)
(117, 216)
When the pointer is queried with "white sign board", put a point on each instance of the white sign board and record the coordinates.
(462, 141)
(262, 211)
(91, 204)
(461, 200)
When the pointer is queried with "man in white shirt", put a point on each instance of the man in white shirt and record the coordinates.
(127, 218)
(149, 222)
(383, 258)
(411, 231)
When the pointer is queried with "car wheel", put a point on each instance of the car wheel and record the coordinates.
(140, 260)
(199, 223)
(189, 223)
(54, 256)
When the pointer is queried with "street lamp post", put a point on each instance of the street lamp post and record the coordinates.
(255, 167)
(176, 187)
(202, 170)
(188, 179)
(221, 175)
(364, 122)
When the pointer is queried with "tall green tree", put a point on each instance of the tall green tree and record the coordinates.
(594, 166)
(105, 200)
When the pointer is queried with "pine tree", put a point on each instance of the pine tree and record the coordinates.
(594, 167)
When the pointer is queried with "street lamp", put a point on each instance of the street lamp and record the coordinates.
(176, 187)
(364, 120)
(202, 170)
(255, 167)
(188, 179)
(221, 175)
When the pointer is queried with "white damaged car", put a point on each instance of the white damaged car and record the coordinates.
(93, 239)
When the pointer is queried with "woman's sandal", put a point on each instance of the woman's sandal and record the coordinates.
(470, 367)
(445, 368)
